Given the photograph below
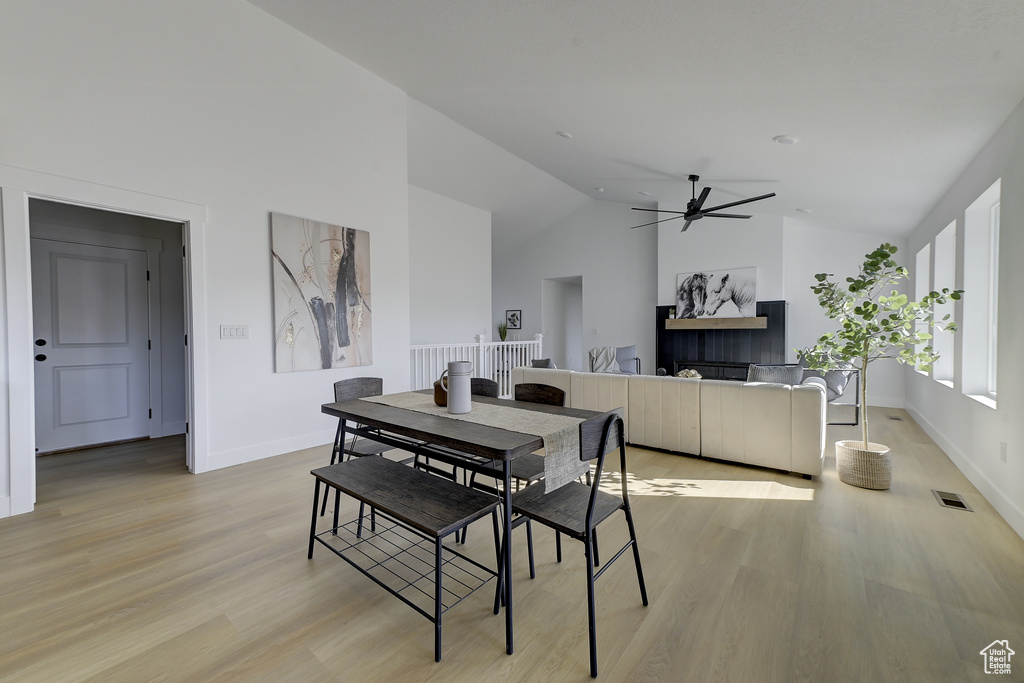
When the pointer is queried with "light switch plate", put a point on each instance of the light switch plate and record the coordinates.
(234, 331)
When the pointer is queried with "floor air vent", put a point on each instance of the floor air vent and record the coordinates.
(895, 417)
(951, 500)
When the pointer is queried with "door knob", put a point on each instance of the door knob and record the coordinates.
(40, 342)
(41, 357)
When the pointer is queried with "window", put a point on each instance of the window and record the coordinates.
(981, 294)
(945, 276)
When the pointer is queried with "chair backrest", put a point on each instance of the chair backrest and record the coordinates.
(481, 386)
(835, 380)
(598, 437)
(358, 387)
(608, 428)
(629, 363)
(539, 393)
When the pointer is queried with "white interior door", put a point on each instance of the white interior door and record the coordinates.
(91, 326)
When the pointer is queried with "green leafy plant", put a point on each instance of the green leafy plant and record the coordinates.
(874, 324)
(502, 330)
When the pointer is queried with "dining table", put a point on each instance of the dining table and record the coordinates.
(460, 442)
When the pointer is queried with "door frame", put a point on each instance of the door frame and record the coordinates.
(17, 404)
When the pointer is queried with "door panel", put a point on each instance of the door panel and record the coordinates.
(74, 387)
(95, 314)
(91, 319)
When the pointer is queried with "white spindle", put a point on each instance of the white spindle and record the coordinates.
(494, 360)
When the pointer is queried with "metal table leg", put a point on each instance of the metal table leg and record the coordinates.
(506, 471)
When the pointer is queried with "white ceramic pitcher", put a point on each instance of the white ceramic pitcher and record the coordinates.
(459, 392)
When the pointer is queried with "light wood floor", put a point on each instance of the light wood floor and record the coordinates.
(131, 569)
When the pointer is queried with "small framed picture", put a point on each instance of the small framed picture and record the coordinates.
(514, 319)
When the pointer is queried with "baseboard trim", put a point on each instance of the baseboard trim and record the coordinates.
(172, 428)
(269, 449)
(1006, 508)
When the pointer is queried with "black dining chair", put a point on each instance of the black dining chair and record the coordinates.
(526, 469)
(478, 386)
(481, 386)
(347, 390)
(576, 509)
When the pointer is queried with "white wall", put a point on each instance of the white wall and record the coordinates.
(450, 276)
(619, 269)
(969, 432)
(808, 251)
(575, 353)
(562, 304)
(714, 244)
(220, 105)
(552, 299)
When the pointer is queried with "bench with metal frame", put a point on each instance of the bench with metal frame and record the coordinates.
(404, 553)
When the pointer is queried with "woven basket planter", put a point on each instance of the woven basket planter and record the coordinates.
(868, 469)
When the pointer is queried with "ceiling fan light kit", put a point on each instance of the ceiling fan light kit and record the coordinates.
(694, 207)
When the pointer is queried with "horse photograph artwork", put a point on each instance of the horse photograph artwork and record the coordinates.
(691, 292)
(717, 294)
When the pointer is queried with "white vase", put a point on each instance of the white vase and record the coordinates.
(869, 468)
(458, 386)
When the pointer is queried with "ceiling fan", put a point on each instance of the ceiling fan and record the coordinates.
(694, 207)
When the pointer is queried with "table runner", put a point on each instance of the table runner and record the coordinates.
(561, 433)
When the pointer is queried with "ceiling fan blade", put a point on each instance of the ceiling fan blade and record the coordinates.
(656, 222)
(742, 201)
(725, 215)
(702, 198)
(685, 226)
(658, 210)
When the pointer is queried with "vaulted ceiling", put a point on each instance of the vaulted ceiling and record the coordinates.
(889, 100)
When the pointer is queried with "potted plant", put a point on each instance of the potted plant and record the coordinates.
(873, 325)
(502, 330)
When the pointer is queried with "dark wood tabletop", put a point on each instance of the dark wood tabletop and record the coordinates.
(467, 437)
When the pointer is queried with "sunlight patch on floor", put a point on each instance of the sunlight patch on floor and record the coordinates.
(708, 488)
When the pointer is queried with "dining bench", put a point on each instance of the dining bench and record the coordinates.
(403, 552)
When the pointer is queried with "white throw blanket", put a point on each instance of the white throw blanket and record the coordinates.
(603, 359)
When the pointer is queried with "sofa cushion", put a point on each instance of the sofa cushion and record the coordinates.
(664, 412)
(601, 392)
(766, 424)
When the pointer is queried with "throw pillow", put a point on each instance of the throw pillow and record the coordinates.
(543, 363)
(778, 374)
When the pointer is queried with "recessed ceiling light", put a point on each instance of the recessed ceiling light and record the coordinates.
(785, 139)
(563, 134)
(646, 194)
(803, 211)
(599, 189)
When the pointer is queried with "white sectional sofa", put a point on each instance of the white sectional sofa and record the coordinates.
(757, 423)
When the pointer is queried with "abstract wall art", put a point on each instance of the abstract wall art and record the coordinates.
(322, 312)
(717, 294)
